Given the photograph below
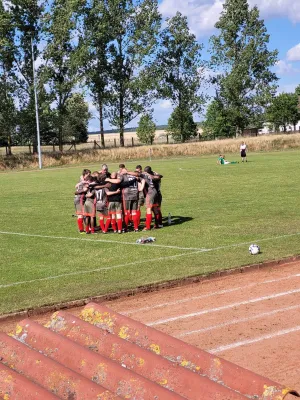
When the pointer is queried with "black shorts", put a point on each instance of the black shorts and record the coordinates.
(243, 153)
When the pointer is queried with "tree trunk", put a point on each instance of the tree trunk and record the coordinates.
(100, 105)
(60, 141)
(121, 120)
(9, 146)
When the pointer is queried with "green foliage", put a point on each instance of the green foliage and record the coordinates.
(284, 110)
(62, 55)
(179, 65)
(181, 125)
(146, 129)
(76, 120)
(216, 122)
(134, 26)
(242, 61)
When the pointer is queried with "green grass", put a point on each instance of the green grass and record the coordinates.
(221, 207)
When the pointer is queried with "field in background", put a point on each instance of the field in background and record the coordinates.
(217, 212)
(229, 146)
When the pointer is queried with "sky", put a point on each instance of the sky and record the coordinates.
(282, 20)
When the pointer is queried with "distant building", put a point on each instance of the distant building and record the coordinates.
(269, 128)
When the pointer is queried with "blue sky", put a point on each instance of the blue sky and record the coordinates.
(282, 19)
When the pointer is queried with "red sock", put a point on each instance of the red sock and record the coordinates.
(114, 224)
(92, 230)
(87, 228)
(127, 218)
(80, 224)
(119, 222)
(101, 223)
(138, 214)
(107, 224)
(148, 221)
(135, 221)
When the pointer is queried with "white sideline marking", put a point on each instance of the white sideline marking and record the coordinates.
(238, 321)
(203, 296)
(254, 340)
(103, 241)
(201, 250)
(99, 269)
(207, 311)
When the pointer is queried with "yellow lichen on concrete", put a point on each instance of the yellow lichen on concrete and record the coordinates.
(184, 363)
(19, 329)
(270, 391)
(97, 318)
(123, 333)
(8, 379)
(163, 382)
(6, 397)
(155, 348)
(140, 361)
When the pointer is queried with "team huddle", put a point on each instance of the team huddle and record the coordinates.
(116, 199)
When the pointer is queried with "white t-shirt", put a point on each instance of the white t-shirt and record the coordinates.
(243, 147)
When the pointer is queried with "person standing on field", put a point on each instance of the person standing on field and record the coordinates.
(243, 149)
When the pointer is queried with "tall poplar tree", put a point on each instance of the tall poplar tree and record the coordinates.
(240, 55)
(180, 70)
(95, 39)
(62, 57)
(26, 19)
(7, 78)
(134, 26)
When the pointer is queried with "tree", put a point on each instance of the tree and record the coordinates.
(134, 26)
(75, 127)
(284, 111)
(181, 125)
(180, 68)
(7, 78)
(95, 40)
(217, 122)
(146, 129)
(62, 57)
(243, 63)
(26, 20)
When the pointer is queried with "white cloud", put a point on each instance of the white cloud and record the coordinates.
(166, 104)
(294, 53)
(203, 14)
(288, 88)
(285, 68)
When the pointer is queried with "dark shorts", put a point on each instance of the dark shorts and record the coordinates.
(243, 153)
(89, 209)
(79, 209)
(131, 205)
(141, 200)
(102, 211)
(151, 200)
(114, 207)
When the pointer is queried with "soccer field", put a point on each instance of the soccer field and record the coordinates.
(218, 211)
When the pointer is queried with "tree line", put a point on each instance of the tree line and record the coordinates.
(125, 57)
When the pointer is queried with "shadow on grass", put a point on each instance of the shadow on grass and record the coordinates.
(176, 220)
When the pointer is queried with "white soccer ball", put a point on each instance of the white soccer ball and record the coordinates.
(254, 249)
